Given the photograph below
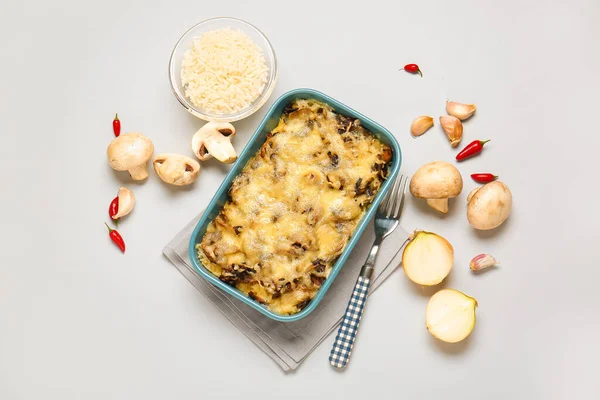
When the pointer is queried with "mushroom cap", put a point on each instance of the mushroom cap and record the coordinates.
(129, 150)
(176, 169)
(436, 180)
(489, 206)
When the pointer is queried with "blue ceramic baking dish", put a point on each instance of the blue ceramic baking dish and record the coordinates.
(269, 123)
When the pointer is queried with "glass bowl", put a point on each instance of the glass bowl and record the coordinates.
(185, 43)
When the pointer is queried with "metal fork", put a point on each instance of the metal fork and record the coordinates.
(386, 220)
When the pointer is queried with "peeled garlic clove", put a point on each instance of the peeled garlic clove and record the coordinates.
(440, 205)
(126, 202)
(420, 125)
(482, 261)
(450, 315)
(428, 258)
(459, 110)
(453, 128)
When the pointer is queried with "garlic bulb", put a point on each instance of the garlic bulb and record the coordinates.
(459, 110)
(420, 125)
(453, 128)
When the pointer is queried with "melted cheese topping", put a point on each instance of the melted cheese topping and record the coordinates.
(294, 206)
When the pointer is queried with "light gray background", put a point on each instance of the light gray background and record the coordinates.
(79, 320)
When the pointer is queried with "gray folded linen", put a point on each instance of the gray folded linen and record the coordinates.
(289, 343)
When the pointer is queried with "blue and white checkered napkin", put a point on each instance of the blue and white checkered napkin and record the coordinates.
(288, 344)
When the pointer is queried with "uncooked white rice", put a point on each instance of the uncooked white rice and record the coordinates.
(223, 72)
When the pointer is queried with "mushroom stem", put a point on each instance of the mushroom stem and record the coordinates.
(440, 205)
(139, 173)
(221, 149)
(214, 139)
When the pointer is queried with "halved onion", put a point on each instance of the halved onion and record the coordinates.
(450, 315)
(428, 258)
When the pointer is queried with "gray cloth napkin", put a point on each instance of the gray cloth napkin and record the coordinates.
(289, 343)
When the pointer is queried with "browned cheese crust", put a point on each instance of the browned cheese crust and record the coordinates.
(294, 206)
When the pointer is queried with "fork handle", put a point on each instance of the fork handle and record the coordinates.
(344, 341)
(367, 269)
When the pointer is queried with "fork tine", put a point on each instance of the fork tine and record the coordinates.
(397, 196)
(384, 203)
(394, 202)
(400, 197)
(386, 200)
(393, 193)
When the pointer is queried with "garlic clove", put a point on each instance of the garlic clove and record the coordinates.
(482, 261)
(126, 202)
(460, 110)
(450, 315)
(420, 125)
(440, 205)
(453, 128)
(428, 258)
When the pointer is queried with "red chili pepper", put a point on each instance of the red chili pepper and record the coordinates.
(116, 238)
(113, 209)
(471, 149)
(117, 125)
(413, 69)
(484, 178)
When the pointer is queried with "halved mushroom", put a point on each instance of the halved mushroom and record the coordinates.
(176, 169)
(214, 140)
(436, 182)
(130, 152)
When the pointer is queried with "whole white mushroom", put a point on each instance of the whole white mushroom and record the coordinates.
(436, 182)
(130, 152)
(489, 206)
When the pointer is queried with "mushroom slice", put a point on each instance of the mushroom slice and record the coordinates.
(126, 202)
(214, 140)
(176, 169)
(130, 152)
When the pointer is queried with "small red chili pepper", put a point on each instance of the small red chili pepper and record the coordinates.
(117, 125)
(113, 209)
(484, 178)
(471, 149)
(116, 238)
(413, 69)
